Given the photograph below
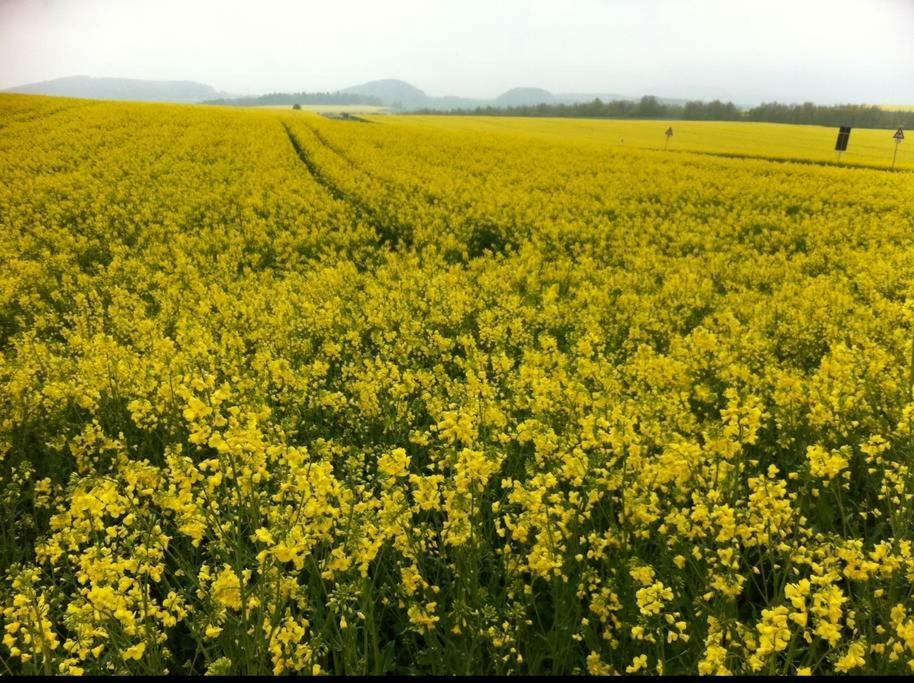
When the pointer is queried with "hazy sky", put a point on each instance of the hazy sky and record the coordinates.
(747, 51)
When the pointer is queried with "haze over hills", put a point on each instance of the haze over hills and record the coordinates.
(390, 92)
(397, 93)
(135, 89)
(524, 96)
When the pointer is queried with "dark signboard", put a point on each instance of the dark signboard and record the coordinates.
(843, 134)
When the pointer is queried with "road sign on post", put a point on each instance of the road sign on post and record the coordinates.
(898, 138)
(669, 134)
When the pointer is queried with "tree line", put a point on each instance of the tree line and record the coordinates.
(650, 107)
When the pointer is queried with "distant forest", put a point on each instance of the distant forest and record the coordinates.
(278, 98)
(650, 107)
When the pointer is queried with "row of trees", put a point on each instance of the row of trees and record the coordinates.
(282, 98)
(649, 107)
(861, 116)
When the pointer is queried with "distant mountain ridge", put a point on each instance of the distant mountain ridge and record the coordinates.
(400, 94)
(389, 92)
(517, 97)
(133, 89)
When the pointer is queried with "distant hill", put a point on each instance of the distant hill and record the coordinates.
(524, 97)
(391, 92)
(121, 89)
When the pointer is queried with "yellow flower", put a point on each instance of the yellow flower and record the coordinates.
(423, 617)
(854, 658)
(652, 598)
(226, 588)
(394, 464)
(825, 464)
(596, 666)
(638, 663)
(134, 651)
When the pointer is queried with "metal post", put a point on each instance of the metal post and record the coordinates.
(898, 137)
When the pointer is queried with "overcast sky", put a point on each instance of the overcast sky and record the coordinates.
(791, 50)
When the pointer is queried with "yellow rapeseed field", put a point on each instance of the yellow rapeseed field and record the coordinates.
(280, 394)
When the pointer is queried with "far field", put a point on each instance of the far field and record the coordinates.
(331, 108)
(767, 140)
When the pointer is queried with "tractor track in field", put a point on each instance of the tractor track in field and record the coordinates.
(336, 150)
(335, 191)
(430, 197)
(389, 231)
